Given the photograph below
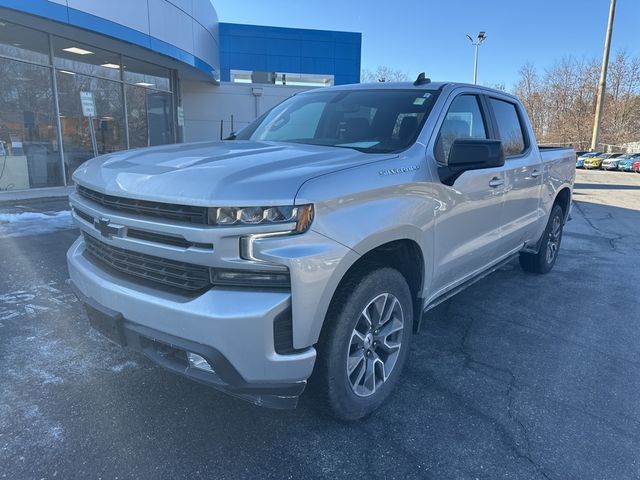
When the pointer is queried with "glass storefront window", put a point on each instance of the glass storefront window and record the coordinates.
(109, 123)
(282, 78)
(145, 74)
(77, 57)
(150, 116)
(23, 43)
(29, 154)
(30, 147)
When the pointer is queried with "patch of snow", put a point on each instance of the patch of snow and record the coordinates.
(34, 223)
(128, 364)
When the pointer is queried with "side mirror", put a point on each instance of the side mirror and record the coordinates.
(471, 154)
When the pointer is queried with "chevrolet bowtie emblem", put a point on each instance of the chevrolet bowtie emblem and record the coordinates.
(106, 228)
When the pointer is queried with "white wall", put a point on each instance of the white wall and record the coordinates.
(206, 104)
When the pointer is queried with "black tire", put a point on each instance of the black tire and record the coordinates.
(339, 343)
(545, 259)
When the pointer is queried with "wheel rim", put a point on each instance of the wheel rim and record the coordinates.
(553, 243)
(375, 344)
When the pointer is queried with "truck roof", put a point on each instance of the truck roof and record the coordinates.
(391, 85)
(431, 86)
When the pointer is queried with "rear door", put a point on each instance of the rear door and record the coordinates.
(468, 220)
(523, 175)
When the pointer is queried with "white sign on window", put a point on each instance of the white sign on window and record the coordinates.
(88, 104)
(180, 117)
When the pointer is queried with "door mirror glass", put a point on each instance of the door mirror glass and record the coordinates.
(471, 154)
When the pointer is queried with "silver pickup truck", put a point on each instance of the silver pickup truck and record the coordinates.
(308, 246)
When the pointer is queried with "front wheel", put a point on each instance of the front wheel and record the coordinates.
(365, 342)
(545, 259)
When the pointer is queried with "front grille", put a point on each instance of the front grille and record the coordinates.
(167, 211)
(161, 271)
(154, 237)
(165, 239)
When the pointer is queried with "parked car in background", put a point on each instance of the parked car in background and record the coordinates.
(596, 161)
(625, 163)
(611, 163)
(581, 158)
(636, 166)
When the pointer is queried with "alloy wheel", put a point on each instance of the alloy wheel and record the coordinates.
(554, 239)
(375, 344)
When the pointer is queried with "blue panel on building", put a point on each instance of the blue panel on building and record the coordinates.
(290, 50)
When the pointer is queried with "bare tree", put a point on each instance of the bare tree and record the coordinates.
(621, 100)
(561, 100)
(383, 74)
(528, 89)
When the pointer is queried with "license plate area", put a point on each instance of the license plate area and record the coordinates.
(109, 326)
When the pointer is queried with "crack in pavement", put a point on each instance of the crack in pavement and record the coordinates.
(611, 238)
(512, 386)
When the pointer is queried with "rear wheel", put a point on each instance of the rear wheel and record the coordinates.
(365, 343)
(545, 259)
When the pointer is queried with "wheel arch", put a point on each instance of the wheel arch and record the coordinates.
(563, 198)
(404, 255)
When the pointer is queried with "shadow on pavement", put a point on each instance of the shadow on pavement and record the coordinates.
(605, 186)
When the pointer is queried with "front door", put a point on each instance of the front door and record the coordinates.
(467, 228)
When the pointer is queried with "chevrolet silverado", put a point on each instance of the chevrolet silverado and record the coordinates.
(308, 246)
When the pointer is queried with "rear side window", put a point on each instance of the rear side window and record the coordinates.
(509, 127)
(464, 120)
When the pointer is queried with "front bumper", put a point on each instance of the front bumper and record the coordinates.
(233, 329)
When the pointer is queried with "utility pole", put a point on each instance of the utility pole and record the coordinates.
(603, 79)
(481, 38)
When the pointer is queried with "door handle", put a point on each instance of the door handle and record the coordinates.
(536, 173)
(496, 182)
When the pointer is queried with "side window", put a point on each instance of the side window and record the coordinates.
(464, 120)
(509, 127)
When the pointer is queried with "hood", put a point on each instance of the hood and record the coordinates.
(233, 173)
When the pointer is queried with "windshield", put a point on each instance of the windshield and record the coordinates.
(372, 121)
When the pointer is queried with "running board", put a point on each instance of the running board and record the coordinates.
(454, 291)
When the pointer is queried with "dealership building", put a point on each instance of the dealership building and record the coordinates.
(86, 77)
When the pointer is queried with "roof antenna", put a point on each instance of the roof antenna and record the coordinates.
(422, 79)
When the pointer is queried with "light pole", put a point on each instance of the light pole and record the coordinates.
(595, 137)
(476, 43)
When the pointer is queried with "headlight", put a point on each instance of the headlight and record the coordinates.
(301, 215)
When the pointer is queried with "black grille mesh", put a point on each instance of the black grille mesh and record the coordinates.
(168, 211)
(170, 273)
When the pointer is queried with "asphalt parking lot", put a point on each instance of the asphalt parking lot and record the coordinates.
(521, 376)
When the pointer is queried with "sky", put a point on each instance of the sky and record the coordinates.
(430, 35)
